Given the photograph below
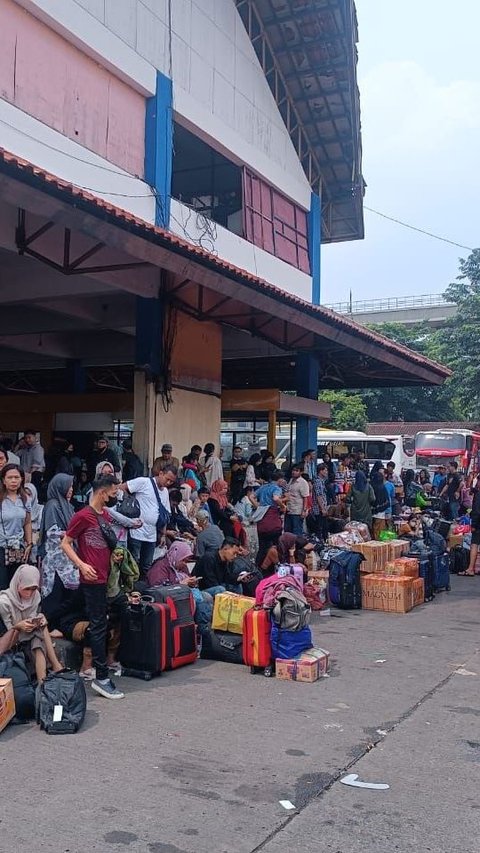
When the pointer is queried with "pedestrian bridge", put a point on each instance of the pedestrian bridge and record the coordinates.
(431, 308)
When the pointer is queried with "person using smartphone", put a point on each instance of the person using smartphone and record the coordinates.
(20, 614)
(173, 569)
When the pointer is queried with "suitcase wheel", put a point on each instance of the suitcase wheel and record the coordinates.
(268, 671)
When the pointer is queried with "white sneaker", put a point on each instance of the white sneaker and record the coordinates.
(107, 689)
(88, 674)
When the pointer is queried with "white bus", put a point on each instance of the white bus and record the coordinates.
(387, 448)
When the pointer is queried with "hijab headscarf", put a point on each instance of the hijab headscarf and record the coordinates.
(164, 570)
(286, 542)
(99, 469)
(360, 484)
(216, 493)
(57, 510)
(13, 608)
(36, 513)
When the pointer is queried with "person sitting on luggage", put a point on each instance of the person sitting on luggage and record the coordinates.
(287, 551)
(244, 563)
(173, 569)
(210, 537)
(214, 569)
(20, 611)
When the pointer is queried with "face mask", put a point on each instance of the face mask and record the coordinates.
(111, 502)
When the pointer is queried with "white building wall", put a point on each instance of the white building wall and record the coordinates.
(219, 86)
(220, 93)
(240, 252)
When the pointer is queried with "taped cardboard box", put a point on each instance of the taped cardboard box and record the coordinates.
(406, 567)
(375, 554)
(7, 702)
(387, 593)
(308, 666)
(319, 575)
(397, 548)
(418, 592)
(229, 610)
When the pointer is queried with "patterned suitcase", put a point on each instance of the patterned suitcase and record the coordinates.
(145, 640)
(183, 631)
(257, 648)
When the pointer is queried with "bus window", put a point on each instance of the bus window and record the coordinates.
(378, 449)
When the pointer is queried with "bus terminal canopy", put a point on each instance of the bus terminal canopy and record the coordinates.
(200, 284)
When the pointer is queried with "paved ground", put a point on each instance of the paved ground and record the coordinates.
(197, 761)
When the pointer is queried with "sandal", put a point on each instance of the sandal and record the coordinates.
(467, 574)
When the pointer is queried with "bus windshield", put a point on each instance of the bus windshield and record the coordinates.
(440, 441)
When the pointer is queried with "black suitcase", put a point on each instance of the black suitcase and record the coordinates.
(426, 571)
(145, 645)
(183, 632)
(459, 559)
(222, 646)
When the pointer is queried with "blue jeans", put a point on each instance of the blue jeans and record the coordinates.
(294, 524)
(215, 590)
(203, 610)
(142, 553)
(454, 509)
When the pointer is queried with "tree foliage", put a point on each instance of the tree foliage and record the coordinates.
(348, 410)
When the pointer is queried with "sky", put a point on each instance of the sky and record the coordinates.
(419, 80)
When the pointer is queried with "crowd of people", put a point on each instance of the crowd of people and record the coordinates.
(103, 529)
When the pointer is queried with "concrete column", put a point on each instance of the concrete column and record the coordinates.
(314, 244)
(272, 430)
(307, 370)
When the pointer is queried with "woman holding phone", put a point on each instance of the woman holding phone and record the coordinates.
(20, 613)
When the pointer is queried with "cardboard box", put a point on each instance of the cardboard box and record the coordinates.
(397, 548)
(418, 592)
(375, 553)
(308, 667)
(455, 539)
(7, 702)
(387, 593)
(229, 610)
(406, 567)
(319, 575)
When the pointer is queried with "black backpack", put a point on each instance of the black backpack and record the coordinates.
(459, 559)
(61, 703)
(12, 665)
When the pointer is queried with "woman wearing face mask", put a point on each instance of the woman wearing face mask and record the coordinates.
(20, 612)
(15, 522)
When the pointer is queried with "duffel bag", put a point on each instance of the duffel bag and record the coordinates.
(61, 703)
(13, 665)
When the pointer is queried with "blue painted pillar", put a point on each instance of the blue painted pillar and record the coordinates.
(148, 336)
(76, 376)
(159, 147)
(307, 377)
(314, 244)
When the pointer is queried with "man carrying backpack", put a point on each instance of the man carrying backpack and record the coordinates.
(152, 495)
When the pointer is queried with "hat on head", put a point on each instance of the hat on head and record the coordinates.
(167, 447)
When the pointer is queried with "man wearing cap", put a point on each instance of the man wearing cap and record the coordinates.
(165, 458)
(102, 453)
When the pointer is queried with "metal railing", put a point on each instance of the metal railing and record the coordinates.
(392, 303)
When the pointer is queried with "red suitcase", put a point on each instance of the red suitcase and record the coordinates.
(145, 640)
(257, 650)
(183, 631)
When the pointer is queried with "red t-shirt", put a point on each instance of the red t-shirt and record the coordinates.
(91, 546)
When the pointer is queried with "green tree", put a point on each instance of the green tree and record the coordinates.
(348, 410)
(413, 403)
(458, 345)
